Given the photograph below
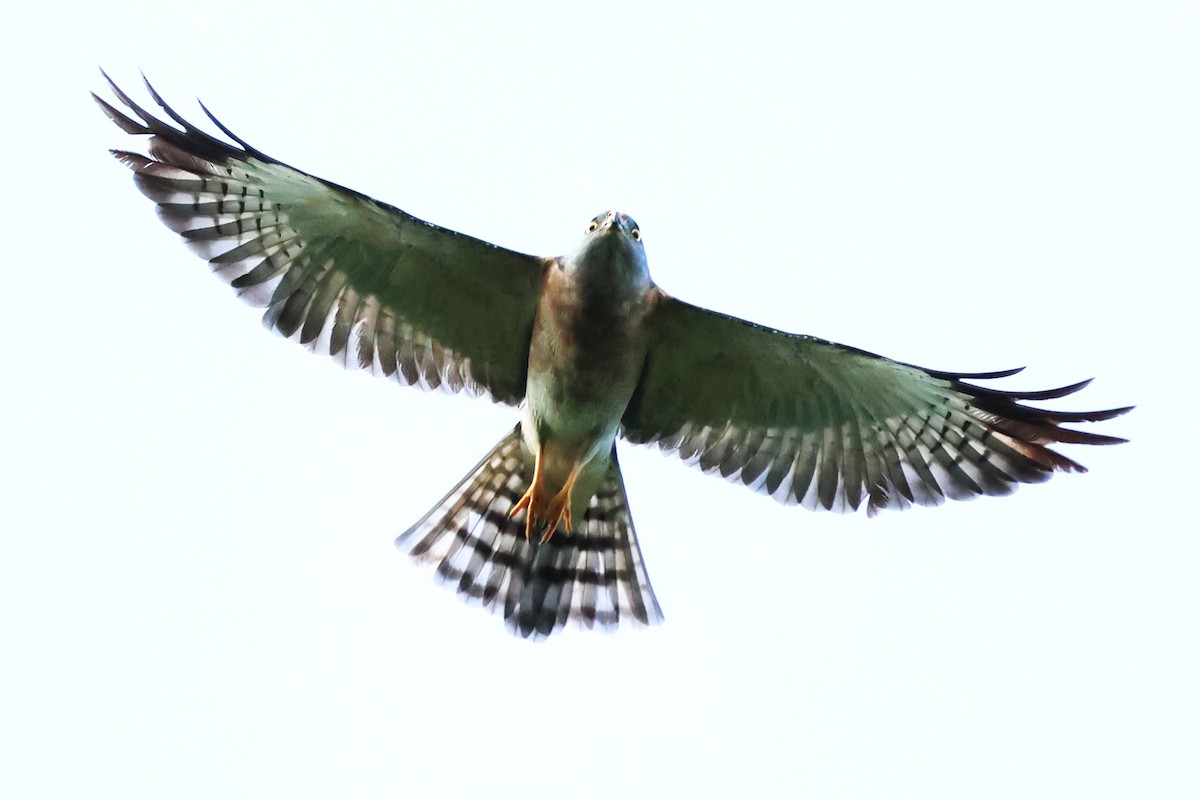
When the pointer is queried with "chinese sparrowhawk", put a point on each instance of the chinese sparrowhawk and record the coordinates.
(590, 350)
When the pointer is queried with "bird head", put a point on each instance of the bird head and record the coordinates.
(612, 250)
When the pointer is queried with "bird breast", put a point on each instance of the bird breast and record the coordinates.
(586, 353)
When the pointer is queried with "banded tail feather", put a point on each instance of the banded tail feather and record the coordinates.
(593, 576)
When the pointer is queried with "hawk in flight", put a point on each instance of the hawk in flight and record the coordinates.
(589, 349)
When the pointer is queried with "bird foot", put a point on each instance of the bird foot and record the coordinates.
(558, 512)
(542, 515)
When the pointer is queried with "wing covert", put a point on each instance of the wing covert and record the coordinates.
(827, 426)
(335, 270)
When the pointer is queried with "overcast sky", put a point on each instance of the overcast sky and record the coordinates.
(199, 596)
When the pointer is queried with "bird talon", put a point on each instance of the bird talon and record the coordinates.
(558, 511)
(545, 516)
(555, 516)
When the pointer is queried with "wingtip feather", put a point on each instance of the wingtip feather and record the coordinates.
(134, 161)
(120, 120)
(249, 148)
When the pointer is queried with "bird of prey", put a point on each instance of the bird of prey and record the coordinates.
(589, 349)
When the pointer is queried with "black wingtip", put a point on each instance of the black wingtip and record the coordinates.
(971, 376)
(1087, 416)
(1111, 413)
(249, 148)
(1048, 394)
(1072, 436)
(120, 120)
(158, 100)
(1002, 373)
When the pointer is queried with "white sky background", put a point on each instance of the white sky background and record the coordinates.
(199, 596)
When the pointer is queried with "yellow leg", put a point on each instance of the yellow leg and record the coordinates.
(542, 514)
(532, 499)
(559, 510)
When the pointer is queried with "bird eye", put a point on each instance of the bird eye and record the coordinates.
(593, 226)
(637, 235)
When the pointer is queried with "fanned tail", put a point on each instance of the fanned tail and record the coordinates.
(593, 576)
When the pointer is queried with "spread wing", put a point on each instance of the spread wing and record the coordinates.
(826, 426)
(337, 271)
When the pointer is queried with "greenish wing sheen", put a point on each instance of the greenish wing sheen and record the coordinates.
(827, 426)
(341, 273)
